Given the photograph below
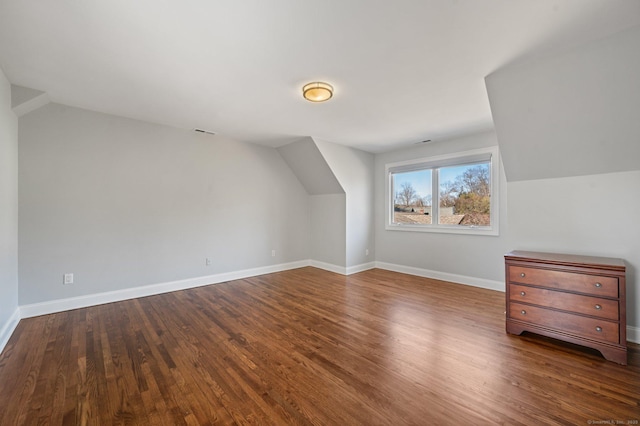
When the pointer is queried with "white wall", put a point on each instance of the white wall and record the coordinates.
(327, 203)
(122, 203)
(569, 130)
(354, 169)
(593, 215)
(474, 256)
(328, 229)
(8, 213)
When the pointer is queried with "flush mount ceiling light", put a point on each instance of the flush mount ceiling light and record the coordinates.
(317, 91)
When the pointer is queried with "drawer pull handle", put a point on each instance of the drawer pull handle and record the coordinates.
(598, 307)
(598, 285)
(522, 293)
(599, 329)
(522, 274)
(523, 312)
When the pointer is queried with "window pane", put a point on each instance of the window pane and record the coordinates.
(412, 197)
(465, 195)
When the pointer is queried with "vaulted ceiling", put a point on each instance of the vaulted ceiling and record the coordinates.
(403, 71)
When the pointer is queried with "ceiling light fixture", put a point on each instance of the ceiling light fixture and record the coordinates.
(317, 91)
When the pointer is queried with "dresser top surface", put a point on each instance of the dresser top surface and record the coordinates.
(566, 259)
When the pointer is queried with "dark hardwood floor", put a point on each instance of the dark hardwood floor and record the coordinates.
(307, 347)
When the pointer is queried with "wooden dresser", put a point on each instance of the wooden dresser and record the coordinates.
(578, 299)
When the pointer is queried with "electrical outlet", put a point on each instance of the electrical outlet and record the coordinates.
(208, 261)
(366, 252)
(273, 253)
(67, 279)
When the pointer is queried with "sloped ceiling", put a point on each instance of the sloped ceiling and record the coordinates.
(404, 71)
(309, 165)
(570, 114)
(24, 100)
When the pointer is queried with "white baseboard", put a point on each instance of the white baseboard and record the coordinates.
(342, 270)
(49, 307)
(361, 267)
(8, 328)
(633, 334)
(444, 276)
(328, 267)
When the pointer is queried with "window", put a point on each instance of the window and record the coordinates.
(455, 193)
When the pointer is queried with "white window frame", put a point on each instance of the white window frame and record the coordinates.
(460, 158)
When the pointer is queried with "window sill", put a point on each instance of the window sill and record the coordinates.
(443, 229)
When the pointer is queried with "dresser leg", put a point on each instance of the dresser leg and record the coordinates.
(514, 328)
(618, 356)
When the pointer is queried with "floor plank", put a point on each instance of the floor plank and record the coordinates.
(306, 347)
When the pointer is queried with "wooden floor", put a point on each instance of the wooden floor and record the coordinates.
(307, 347)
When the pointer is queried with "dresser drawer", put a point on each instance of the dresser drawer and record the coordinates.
(594, 306)
(588, 284)
(575, 324)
